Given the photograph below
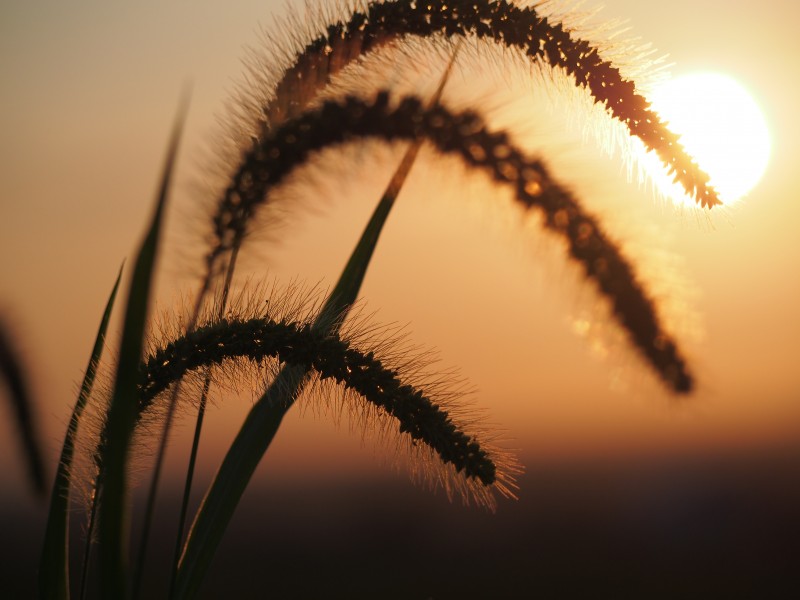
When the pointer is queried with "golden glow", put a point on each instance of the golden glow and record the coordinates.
(720, 125)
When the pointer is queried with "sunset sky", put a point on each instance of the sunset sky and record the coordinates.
(88, 91)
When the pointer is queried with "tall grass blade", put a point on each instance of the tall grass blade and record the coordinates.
(464, 135)
(198, 428)
(19, 395)
(263, 421)
(343, 294)
(121, 418)
(234, 474)
(54, 565)
(346, 290)
(187, 486)
(259, 428)
(420, 412)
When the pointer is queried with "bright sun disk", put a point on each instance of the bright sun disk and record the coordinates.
(720, 126)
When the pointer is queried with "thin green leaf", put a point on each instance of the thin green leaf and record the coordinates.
(121, 418)
(232, 478)
(262, 422)
(54, 565)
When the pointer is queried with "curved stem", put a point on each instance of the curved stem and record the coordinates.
(187, 488)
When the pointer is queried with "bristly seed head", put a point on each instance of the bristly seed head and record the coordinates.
(464, 135)
(504, 23)
(333, 358)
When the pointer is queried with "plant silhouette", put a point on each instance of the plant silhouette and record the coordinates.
(296, 113)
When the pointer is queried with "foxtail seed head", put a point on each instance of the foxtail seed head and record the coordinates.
(464, 135)
(375, 24)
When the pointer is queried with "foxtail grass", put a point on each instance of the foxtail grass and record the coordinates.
(294, 120)
(465, 136)
(344, 295)
(377, 24)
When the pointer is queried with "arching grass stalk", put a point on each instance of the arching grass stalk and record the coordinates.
(462, 135)
(170, 415)
(262, 423)
(465, 136)
(187, 486)
(353, 278)
(153, 488)
(378, 23)
(224, 342)
(152, 492)
(162, 447)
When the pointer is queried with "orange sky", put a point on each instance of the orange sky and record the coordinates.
(88, 93)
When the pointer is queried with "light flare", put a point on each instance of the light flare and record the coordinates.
(720, 125)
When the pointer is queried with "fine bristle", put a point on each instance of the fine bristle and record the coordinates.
(465, 136)
(304, 56)
(390, 393)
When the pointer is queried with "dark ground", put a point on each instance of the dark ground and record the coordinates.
(689, 528)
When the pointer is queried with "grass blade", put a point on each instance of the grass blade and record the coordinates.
(232, 478)
(121, 418)
(54, 565)
(263, 421)
(19, 395)
(262, 424)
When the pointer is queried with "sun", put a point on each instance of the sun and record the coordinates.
(720, 125)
